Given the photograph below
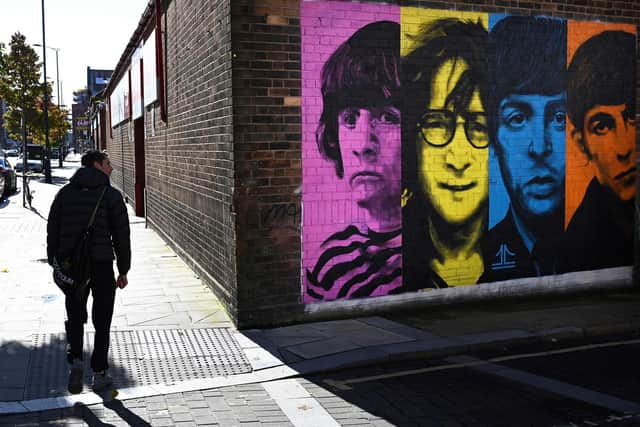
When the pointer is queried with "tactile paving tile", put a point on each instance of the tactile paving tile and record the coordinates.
(23, 226)
(47, 367)
(141, 357)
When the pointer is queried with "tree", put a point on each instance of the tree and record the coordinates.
(58, 125)
(21, 89)
(19, 84)
(2, 55)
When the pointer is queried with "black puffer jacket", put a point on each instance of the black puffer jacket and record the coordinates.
(70, 213)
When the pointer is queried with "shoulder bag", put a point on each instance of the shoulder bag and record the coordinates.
(71, 271)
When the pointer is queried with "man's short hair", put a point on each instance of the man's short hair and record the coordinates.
(362, 72)
(602, 72)
(436, 43)
(529, 56)
(92, 156)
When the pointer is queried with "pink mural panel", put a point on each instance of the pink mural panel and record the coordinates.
(351, 150)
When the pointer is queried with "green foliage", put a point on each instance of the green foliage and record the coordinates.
(21, 89)
(58, 126)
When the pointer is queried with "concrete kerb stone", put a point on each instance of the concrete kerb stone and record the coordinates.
(355, 358)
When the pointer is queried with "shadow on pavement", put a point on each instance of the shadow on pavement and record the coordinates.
(37, 368)
(58, 181)
(400, 394)
(85, 413)
(37, 212)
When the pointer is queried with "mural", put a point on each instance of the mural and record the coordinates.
(446, 148)
(601, 107)
(351, 167)
(528, 89)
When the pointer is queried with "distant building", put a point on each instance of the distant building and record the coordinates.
(80, 126)
(97, 80)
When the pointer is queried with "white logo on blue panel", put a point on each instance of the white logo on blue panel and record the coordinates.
(506, 258)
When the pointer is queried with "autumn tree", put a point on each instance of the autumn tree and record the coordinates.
(20, 85)
(22, 91)
(58, 125)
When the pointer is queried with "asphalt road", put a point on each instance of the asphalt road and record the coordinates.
(558, 384)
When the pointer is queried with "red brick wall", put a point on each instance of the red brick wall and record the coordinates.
(189, 159)
(224, 173)
(267, 135)
(120, 149)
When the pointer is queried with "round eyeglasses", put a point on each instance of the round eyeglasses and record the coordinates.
(438, 127)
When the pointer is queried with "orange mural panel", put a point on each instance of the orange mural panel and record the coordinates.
(579, 171)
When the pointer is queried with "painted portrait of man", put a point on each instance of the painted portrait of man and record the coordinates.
(445, 152)
(601, 105)
(358, 133)
(528, 123)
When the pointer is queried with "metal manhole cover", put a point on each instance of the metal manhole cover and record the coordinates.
(137, 358)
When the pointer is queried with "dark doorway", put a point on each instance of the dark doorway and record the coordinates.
(138, 137)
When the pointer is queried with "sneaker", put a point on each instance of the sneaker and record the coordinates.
(76, 374)
(101, 381)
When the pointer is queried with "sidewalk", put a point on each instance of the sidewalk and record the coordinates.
(172, 341)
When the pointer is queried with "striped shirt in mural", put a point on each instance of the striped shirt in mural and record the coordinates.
(357, 264)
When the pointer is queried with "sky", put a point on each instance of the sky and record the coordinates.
(89, 33)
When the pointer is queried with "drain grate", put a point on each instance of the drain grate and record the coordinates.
(141, 357)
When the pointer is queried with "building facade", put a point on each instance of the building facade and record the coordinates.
(323, 159)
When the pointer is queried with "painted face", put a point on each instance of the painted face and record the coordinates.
(531, 151)
(452, 149)
(610, 138)
(370, 149)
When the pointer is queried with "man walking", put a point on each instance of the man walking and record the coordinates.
(69, 215)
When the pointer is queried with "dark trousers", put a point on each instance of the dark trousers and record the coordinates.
(103, 289)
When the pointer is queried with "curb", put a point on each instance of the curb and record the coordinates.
(411, 350)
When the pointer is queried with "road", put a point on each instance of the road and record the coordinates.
(562, 384)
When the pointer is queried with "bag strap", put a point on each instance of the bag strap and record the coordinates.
(93, 215)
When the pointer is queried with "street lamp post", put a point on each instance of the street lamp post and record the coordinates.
(25, 164)
(56, 49)
(47, 164)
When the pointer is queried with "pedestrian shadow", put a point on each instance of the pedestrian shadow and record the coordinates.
(37, 368)
(84, 412)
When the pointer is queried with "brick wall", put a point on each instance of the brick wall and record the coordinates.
(267, 134)
(189, 159)
(120, 149)
(224, 178)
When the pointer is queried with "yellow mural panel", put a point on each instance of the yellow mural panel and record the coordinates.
(450, 147)
(412, 18)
